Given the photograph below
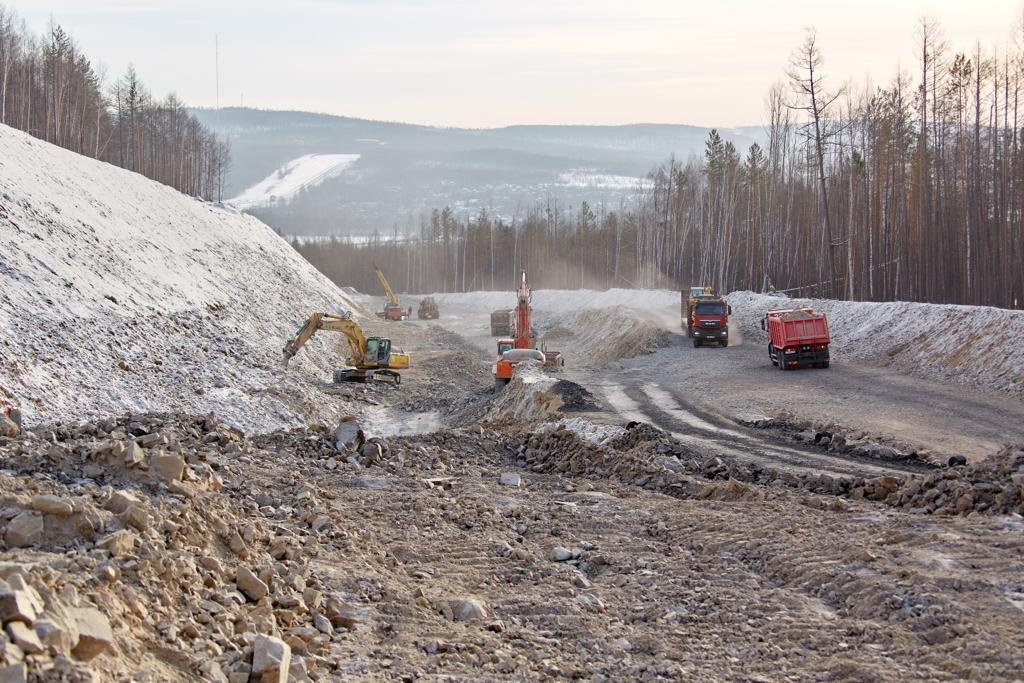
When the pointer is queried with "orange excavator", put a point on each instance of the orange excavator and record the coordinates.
(512, 352)
(393, 309)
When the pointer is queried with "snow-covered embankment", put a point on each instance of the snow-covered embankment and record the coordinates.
(120, 294)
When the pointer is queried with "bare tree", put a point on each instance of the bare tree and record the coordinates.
(808, 81)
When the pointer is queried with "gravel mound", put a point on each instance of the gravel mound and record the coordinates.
(119, 294)
(600, 336)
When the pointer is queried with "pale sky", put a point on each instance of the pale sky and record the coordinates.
(492, 63)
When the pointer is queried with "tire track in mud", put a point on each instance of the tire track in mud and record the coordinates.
(706, 434)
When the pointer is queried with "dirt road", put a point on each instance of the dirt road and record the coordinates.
(740, 381)
(703, 392)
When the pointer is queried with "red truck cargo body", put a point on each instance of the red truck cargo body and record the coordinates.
(797, 338)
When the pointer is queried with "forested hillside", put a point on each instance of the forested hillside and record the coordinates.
(404, 170)
(51, 90)
(909, 190)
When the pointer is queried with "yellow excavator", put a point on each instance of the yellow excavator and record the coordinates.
(392, 307)
(368, 356)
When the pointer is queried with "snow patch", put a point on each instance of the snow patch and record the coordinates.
(590, 431)
(583, 177)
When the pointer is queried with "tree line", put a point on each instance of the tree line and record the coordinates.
(910, 190)
(51, 90)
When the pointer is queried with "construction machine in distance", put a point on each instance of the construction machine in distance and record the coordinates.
(392, 307)
(503, 322)
(367, 356)
(522, 347)
(428, 309)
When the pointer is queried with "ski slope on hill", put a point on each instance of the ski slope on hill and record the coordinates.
(284, 183)
(118, 294)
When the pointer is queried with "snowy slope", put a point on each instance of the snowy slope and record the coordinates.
(282, 184)
(976, 345)
(120, 294)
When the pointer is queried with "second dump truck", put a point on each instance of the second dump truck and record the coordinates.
(503, 322)
(797, 338)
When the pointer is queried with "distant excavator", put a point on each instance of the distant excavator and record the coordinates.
(368, 356)
(393, 309)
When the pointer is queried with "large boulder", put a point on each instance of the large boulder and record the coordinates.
(25, 529)
(271, 659)
(9, 427)
(348, 435)
(94, 635)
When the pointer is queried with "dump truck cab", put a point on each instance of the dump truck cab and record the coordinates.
(709, 320)
(393, 312)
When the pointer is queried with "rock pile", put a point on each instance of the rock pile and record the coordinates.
(994, 485)
(128, 536)
(648, 457)
(642, 456)
(837, 439)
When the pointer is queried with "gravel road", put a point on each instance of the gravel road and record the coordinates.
(701, 393)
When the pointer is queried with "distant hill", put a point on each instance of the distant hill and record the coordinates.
(403, 170)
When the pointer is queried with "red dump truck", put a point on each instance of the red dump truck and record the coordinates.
(709, 321)
(797, 338)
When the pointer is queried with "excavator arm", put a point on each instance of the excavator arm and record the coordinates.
(331, 322)
(387, 288)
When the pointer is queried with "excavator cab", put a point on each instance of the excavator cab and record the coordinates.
(378, 350)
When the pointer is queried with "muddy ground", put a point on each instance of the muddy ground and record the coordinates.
(498, 548)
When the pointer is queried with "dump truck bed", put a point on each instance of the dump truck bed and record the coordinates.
(798, 331)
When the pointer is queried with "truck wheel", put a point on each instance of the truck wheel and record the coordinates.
(782, 359)
(824, 365)
(725, 343)
(696, 343)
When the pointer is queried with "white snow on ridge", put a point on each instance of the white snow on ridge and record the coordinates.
(582, 177)
(119, 294)
(285, 182)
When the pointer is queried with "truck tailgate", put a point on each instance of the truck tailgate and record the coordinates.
(806, 330)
